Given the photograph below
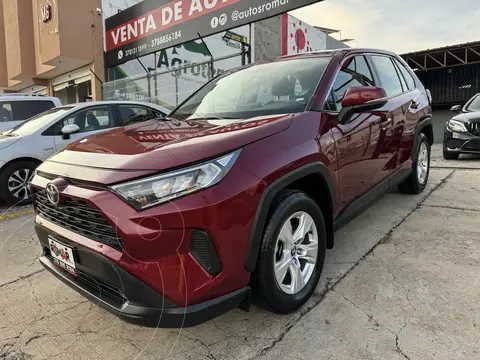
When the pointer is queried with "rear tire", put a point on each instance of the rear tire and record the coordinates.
(14, 179)
(417, 181)
(301, 258)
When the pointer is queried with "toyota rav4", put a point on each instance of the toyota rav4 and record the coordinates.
(236, 195)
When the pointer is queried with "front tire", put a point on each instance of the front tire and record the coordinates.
(292, 253)
(14, 179)
(417, 181)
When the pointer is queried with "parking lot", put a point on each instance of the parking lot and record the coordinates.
(401, 283)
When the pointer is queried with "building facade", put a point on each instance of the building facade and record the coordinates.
(167, 77)
(52, 47)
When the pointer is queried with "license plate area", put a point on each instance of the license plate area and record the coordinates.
(62, 255)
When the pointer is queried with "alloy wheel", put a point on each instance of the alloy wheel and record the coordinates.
(422, 163)
(18, 183)
(296, 253)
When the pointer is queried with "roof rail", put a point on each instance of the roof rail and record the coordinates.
(21, 94)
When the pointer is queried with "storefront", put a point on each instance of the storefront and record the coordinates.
(52, 47)
(141, 68)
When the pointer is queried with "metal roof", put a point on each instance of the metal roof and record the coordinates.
(444, 57)
(326, 30)
(443, 48)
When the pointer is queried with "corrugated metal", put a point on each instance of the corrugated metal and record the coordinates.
(452, 86)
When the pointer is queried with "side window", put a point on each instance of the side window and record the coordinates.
(92, 119)
(355, 73)
(6, 112)
(406, 75)
(388, 75)
(133, 114)
(23, 110)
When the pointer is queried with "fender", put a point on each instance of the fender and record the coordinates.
(266, 201)
(422, 124)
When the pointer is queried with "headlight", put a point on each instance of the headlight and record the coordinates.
(457, 126)
(151, 191)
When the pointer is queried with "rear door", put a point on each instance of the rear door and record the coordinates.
(397, 109)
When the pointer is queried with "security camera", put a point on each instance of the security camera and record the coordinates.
(99, 11)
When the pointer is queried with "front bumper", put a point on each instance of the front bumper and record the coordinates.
(114, 289)
(461, 143)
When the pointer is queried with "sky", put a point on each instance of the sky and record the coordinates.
(397, 25)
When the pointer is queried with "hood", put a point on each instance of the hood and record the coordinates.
(163, 144)
(466, 117)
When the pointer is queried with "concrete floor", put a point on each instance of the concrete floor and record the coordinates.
(401, 283)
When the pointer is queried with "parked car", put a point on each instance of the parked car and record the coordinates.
(18, 107)
(25, 146)
(462, 132)
(236, 195)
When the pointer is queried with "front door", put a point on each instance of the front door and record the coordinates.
(90, 121)
(360, 142)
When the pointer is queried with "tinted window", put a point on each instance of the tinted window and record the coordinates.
(406, 75)
(23, 110)
(134, 114)
(92, 119)
(355, 73)
(388, 75)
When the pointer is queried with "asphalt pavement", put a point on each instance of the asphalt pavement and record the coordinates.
(401, 283)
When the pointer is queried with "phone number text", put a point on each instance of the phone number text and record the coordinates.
(136, 49)
(165, 39)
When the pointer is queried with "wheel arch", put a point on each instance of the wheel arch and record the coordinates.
(23, 158)
(322, 191)
(425, 126)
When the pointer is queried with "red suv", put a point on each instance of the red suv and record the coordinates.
(237, 194)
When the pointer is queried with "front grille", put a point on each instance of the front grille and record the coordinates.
(101, 288)
(473, 145)
(80, 217)
(474, 128)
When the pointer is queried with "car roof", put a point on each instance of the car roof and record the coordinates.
(342, 51)
(77, 106)
(26, 96)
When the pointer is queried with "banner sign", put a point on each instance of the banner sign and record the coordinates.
(153, 25)
(299, 37)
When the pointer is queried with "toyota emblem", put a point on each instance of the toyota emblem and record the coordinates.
(52, 194)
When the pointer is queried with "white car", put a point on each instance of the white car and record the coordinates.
(24, 147)
(16, 108)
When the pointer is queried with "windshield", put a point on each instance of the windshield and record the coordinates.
(36, 123)
(266, 89)
(473, 104)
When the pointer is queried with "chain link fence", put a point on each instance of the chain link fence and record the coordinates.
(171, 87)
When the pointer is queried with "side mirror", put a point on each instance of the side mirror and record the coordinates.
(67, 130)
(361, 98)
(456, 108)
